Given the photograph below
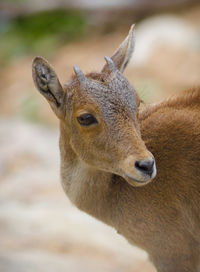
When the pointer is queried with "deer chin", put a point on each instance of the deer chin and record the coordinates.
(137, 182)
(137, 176)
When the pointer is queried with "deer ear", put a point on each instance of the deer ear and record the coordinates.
(123, 54)
(46, 81)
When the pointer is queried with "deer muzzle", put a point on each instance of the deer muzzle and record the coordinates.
(138, 172)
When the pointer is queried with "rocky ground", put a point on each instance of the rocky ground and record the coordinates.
(39, 229)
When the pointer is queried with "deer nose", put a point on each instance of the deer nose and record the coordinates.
(146, 167)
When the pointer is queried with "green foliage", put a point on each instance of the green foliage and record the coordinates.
(29, 108)
(39, 33)
(146, 89)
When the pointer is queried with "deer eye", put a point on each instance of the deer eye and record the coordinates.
(87, 119)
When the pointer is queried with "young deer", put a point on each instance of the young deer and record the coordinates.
(105, 161)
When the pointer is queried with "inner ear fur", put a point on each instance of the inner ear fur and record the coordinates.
(47, 82)
(122, 55)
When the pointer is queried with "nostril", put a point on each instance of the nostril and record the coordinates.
(145, 167)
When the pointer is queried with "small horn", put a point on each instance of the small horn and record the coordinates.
(111, 64)
(80, 75)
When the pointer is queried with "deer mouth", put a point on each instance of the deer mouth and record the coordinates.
(138, 172)
(145, 179)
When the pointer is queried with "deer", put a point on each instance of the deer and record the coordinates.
(137, 170)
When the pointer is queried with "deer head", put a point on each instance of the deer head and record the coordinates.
(99, 112)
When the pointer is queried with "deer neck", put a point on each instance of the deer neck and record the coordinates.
(91, 190)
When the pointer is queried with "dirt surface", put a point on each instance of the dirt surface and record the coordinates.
(39, 229)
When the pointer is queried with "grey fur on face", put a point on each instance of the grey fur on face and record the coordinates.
(114, 96)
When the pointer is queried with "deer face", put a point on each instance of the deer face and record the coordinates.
(100, 115)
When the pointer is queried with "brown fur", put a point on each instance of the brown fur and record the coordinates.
(161, 217)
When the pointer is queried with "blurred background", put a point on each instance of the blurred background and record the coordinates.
(39, 229)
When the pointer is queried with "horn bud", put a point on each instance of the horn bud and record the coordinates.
(79, 74)
(110, 64)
